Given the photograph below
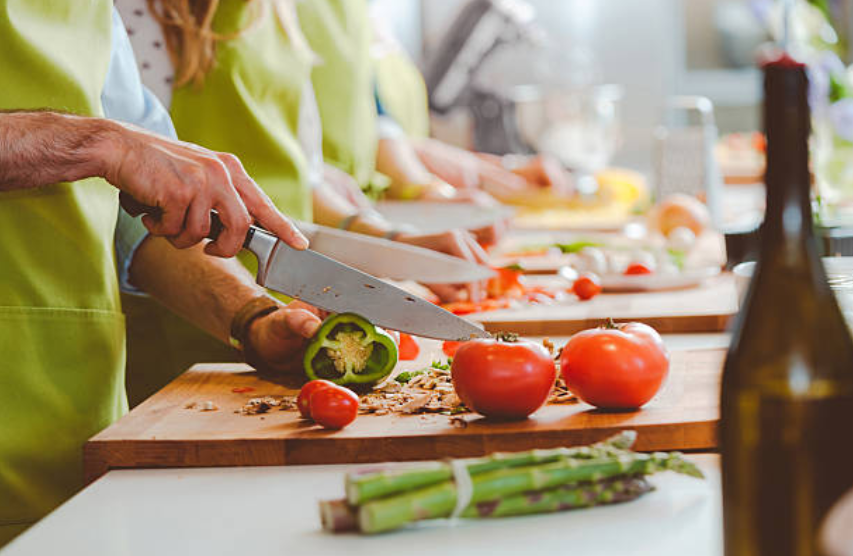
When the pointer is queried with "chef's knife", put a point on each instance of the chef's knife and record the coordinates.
(336, 287)
(392, 259)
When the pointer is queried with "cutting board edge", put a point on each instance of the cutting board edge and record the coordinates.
(100, 456)
(664, 325)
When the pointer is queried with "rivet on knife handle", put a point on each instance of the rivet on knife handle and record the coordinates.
(135, 208)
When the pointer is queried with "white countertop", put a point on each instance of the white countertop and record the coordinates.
(273, 510)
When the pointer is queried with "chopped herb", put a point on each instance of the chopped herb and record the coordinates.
(442, 366)
(514, 266)
(576, 246)
(406, 376)
(677, 256)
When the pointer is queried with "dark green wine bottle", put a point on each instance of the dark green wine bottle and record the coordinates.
(787, 394)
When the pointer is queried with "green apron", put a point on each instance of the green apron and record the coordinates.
(339, 33)
(249, 105)
(61, 327)
(402, 91)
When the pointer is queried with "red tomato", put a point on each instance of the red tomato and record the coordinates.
(505, 380)
(449, 347)
(621, 367)
(587, 286)
(408, 347)
(303, 400)
(334, 408)
(637, 268)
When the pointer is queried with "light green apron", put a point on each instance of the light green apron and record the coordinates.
(249, 105)
(339, 33)
(61, 327)
(402, 91)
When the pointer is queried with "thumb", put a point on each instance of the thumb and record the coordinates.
(301, 322)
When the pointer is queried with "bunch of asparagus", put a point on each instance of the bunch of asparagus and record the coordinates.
(503, 484)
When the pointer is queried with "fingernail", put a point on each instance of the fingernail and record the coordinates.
(310, 328)
(300, 241)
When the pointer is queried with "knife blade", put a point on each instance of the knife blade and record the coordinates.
(392, 259)
(336, 287)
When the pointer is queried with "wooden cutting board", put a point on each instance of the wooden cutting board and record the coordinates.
(705, 308)
(163, 432)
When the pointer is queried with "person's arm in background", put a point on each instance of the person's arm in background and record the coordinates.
(504, 177)
(340, 203)
(184, 181)
(410, 178)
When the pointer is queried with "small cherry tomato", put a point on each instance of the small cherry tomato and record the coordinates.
(636, 269)
(408, 347)
(587, 286)
(503, 379)
(449, 347)
(303, 400)
(334, 408)
(617, 367)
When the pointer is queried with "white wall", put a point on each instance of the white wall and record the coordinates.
(634, 42)
(640, 44)
(403, 18)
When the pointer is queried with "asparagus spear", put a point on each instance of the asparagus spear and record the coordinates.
(339, 517)
(363, 487)
(566, 497)
(439, 500)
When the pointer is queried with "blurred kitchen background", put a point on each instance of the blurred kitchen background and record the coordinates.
(653, 51)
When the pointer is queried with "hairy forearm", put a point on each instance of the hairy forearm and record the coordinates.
(207, 291)
(40, 148)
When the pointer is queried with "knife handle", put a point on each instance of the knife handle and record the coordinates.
(135, 208)
(216, 227)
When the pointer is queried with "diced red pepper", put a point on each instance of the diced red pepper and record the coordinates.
(409, 348)
(449, 347)
(637, 269)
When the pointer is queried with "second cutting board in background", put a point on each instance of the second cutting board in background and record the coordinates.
(706, 308)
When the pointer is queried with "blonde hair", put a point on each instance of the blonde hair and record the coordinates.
(190, 38)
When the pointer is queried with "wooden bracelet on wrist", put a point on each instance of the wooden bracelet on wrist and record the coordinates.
(347, 223)
(241, 323)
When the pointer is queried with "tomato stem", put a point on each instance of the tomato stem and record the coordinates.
(611, 325)
(508, 337)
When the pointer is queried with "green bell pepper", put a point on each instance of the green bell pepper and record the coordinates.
(348, 349)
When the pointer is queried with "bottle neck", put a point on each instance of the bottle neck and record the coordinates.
(788, 219)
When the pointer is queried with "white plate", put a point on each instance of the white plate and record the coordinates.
(687, 278)
(839, 273)
(432, 217)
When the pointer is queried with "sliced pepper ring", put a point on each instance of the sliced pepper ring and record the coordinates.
(348, 349)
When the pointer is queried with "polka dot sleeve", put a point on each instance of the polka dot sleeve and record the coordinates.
(149, 47)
